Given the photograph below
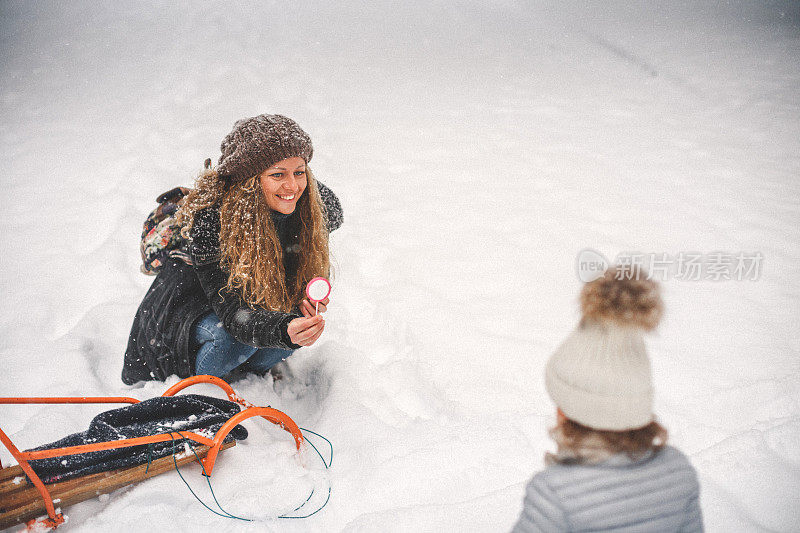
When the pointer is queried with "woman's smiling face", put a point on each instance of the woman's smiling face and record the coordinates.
(283, 183)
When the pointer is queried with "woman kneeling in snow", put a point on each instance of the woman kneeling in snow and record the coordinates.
(613, 470)
(258, 229)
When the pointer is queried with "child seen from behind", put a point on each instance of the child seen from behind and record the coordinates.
(612, 470)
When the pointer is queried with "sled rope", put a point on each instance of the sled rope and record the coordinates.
(327, 466)
(226, 514)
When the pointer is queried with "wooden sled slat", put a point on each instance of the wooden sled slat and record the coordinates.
(20, 502)
(9, 473)
(13, 480)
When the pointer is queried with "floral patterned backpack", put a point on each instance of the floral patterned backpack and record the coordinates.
(161, 234)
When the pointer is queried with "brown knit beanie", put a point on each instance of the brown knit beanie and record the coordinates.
(257, 143)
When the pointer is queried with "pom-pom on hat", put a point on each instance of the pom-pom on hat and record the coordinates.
(257, 143)
(600, 375)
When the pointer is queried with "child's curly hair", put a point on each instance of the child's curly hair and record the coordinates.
(579, 443)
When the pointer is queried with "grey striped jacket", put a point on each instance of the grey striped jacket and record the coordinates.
(657, 493)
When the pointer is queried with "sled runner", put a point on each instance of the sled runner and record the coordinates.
(24, 496)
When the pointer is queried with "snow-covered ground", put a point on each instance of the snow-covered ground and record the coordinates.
(477, 149)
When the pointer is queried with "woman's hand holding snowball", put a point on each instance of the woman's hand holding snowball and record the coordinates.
(305, 331)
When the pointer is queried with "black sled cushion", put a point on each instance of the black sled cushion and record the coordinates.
(190, 412)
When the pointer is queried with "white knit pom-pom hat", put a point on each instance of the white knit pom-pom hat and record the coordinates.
(600, 375)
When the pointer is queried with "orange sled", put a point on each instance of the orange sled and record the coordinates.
(21, 501)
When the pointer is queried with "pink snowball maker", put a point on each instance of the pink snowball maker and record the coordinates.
(317, 290)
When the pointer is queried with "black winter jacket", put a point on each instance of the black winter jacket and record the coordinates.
(160, 343)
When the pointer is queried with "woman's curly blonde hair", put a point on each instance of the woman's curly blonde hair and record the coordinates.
(251, 252)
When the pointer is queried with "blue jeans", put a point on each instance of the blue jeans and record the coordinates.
(220, 352)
